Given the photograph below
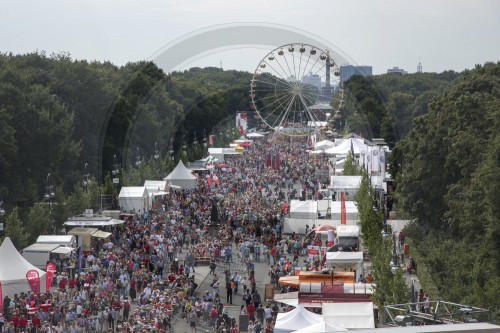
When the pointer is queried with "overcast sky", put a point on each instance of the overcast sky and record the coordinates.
(442, 34)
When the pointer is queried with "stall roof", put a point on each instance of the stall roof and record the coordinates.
(351, 315)
(345, 182)
(92, 222)
(55, 239)
(345, 257)
(41, 247)
(82, 231)
(101, 234)
(308, 206)
(63, 250)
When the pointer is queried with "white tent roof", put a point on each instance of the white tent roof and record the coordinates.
(13, 269)
(352, 315)
(255, 135)
(345, 257)
(350, 206)
(133, 192)
(321, 327)
(63, 250)
(344, 147)
(345, 182)
(296, 319)
(308, 206)
(180, 173)
(466, 328)
(159, 185)
(325, 144)
(56, 239)
(41, 247)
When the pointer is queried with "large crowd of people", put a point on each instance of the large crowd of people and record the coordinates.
(141, 278)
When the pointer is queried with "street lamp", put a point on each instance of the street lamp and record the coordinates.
(171, 150)
(205, 151)
(137, 158)
(184, 145)
(50, 194)
(115, 171)
(156, 156)
(86, 178)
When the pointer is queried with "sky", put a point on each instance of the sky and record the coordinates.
(441, 34)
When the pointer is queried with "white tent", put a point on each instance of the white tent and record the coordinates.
(154, 186)
(346, 260)
(304, 209)
(325, 144)
(133, 198)
(181, 176)
(351, 315)
(296, 319)
(13, 269)
(322, 327)
(358, 145)
(217, 153)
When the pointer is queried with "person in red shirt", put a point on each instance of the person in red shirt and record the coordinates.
(62, 284)
(36, 321)
(72, 284)
(23, 322)
(251, 311)
(15, 320)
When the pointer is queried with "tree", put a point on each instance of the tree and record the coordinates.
(15, 230)
(350, 168)
(38, 220)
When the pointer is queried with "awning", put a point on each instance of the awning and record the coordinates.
(160, 193)
(63, 250)
(101, 234)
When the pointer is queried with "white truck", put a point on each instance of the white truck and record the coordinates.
(348, 235)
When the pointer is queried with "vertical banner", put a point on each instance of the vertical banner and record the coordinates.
(51, 271)
(34, 280)
(211, 140)
(268, 160)
(343, 219)
(277, 161)
(1, 298)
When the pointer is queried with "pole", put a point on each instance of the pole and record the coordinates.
(394, 253)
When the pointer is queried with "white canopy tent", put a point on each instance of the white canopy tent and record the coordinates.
(351, 315)
(325, 144)
(181, 176)
(322, 327)
(296, 319)
(299, 225)
(346, 260)
(358, 145)
(304, 209)
(13, 269)
(133, 198)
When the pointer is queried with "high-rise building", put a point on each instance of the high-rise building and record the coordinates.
(347, 71)
(396, 70)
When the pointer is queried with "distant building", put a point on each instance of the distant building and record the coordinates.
(347, 71)
(312, 79)
(396, 70)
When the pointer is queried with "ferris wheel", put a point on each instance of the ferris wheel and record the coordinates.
(295, 89)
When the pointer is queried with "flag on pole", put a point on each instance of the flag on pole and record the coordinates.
(51, 271)
(211, 140)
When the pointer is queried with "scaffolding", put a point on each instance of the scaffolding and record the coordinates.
(439, 312)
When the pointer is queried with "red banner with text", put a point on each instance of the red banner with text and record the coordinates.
(51, 271)
(34, 280)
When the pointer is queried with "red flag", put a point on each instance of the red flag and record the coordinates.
(342, 209)
(1, 298)
(34, 280)
(51, 271)
(210, 139)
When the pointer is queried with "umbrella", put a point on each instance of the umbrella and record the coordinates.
(324, 228)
